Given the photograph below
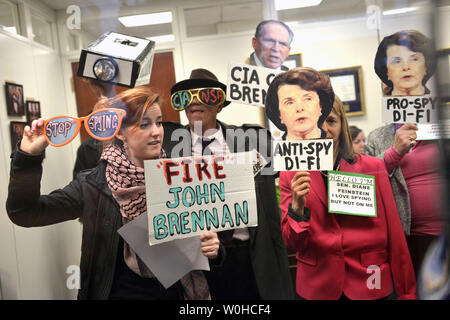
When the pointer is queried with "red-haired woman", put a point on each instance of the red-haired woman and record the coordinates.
(104, 199)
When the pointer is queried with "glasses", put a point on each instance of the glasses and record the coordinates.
(211, 97)
(102, 124)
(270, 43)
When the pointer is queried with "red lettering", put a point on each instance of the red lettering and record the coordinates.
(202, 167)
(168, 173)
(205, 96)
(187, 176)
(217, 167)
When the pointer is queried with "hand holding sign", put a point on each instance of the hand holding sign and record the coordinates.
(209, 244)
(405, 138)
(33, 140)
(300, 186)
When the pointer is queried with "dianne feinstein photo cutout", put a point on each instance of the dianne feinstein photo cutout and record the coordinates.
(298, 101)
(405, 63)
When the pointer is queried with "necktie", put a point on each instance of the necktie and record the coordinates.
(205, 144)
(225, 236)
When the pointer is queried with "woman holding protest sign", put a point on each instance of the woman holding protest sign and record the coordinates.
(345, 255)
(104, 198)
(405, 62)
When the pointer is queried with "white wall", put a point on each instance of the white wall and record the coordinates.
(33, 261)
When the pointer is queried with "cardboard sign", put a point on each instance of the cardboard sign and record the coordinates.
(351, 193)
(434, 131)
(248, 84)
(413, 109)
(303, 155)
(169, 261)
(187, 196)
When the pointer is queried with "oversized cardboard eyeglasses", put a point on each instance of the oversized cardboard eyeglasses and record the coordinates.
(211, 97)
(102, 124)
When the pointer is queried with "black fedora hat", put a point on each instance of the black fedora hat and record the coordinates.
(200, 78)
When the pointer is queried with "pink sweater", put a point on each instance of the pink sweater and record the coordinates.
(421, 172)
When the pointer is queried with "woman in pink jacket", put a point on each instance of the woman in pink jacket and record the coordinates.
(342, 256)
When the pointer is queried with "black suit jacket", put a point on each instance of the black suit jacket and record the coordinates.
(267, 249)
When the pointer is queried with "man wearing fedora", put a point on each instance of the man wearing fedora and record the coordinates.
(256, 264)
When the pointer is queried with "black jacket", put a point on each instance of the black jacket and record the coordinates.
(88, 198)
(88, 155)
(267, 249)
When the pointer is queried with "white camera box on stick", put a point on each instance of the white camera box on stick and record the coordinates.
(118, 59)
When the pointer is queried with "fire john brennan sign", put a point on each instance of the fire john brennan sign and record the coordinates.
(187, 196)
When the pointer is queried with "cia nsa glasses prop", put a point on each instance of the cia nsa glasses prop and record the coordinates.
(209, 96)
(102, 124)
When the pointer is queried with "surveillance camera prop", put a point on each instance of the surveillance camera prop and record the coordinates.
(118, 59)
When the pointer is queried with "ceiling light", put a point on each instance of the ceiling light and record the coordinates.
(399, 11)
(146, 19)
(291, 4)
(163, 38)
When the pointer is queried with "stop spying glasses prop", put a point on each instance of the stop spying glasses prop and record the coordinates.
(102, 125)
(118, 59)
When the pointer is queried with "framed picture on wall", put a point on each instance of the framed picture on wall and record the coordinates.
(33, 110)
(347, 84)
(294, 60)
(16, 129)
(14, 99)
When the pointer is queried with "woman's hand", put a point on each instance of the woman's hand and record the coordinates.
(300, 187)
(33, 140)
(209, 244)
(405, 138)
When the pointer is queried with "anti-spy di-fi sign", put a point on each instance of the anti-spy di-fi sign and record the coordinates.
(190, 195)
(308, 155)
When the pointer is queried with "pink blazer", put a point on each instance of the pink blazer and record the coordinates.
(334, 251)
